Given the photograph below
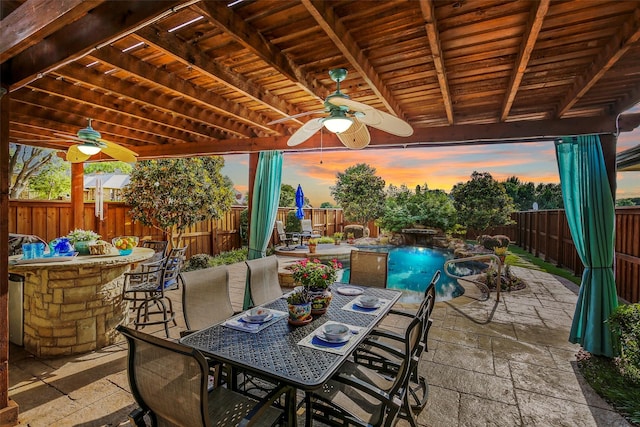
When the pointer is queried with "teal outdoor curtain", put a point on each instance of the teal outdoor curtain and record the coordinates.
(590, 213)
(264, 207)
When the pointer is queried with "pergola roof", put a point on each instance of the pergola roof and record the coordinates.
(629, 160)
(171, 78)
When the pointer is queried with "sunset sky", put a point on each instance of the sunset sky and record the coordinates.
(440, 168)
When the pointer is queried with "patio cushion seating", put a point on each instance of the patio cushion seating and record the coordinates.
(285, 237)
(386, 352)
(173, 268)
(368, 268)
(169, 381)
(264, 284)
(360, 396)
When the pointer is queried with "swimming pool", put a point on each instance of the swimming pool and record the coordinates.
(411, 269)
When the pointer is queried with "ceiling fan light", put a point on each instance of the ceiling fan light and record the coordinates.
(88, 149)
(337, 124)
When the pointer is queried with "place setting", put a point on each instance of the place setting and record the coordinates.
(255, 319)
(367, 304)
(334, 337)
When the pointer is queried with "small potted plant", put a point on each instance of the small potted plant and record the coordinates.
(81, 239)
(299, 305)
(350, 238)
(316, 277)
(337, 237)
(313, 244)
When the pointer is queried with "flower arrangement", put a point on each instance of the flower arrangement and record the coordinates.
(80, 235)
(314, 274)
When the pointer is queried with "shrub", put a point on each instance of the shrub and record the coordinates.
(197, 262)
(491, 242)
(625, 325)
(292, 224)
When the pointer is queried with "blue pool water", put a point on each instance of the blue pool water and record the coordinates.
(411, 270)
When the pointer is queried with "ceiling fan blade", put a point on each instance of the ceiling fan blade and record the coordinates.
(295, 116)
(356, 137)
(119, 152)
(305, 132)
(76, 156)
(376, 118)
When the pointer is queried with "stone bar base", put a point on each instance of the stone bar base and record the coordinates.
(74, 307)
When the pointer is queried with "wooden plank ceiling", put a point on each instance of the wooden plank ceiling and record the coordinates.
(173, 78)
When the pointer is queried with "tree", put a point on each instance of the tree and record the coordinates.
(53, 181)
(522, 193)
(108, 167)
(482, 202)
(405, 208)
(24, 163)
(287, 196)
(173, 194)
(325, 205)
(549, 196)
(360, 193)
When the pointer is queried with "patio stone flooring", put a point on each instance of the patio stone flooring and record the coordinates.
(489, 363)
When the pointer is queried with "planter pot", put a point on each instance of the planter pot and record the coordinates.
(83, 247)
(320, 300)
(337, 242)
(300, 314)
(312, 249)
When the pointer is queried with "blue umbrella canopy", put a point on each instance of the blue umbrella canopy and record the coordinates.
(299, 202)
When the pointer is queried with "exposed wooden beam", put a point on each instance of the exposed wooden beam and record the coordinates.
(323, 13)
(192, 56)
(621, 42)
(155, 76)
(429, 14)
(536, 17)
(163, 102)
(108, 22)
(36, 19)
(95, 105)
(630, 99)
(223, 16)
(512, 132)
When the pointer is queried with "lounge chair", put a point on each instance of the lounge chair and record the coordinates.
(285, 237)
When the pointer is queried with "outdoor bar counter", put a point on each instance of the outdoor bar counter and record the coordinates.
(73, 306)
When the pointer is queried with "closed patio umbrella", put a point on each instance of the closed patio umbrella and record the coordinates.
(299, 202)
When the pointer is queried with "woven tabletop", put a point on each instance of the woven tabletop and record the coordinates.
(274, 351)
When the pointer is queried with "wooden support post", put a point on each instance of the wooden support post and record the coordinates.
(77, 195)
(8, 408)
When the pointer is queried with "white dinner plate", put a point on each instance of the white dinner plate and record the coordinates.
(266, 319)
(324, 338)
(359, 304)
(350, 290)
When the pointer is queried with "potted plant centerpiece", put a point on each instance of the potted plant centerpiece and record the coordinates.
(81, 239)
(316, 277)
(299, 305)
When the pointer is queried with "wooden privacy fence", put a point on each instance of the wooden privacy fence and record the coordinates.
(546, 235)
(50, 219)
(543, 233)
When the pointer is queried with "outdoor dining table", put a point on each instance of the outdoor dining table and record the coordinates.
(286, 354)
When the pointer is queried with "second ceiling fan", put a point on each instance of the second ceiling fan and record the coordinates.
(347, 119)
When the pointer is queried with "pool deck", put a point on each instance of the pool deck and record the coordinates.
(504, 363)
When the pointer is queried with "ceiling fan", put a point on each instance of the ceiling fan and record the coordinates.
(91, 142)
(347, 119)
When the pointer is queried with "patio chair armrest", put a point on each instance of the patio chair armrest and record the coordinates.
(401, 313)
(263, 404)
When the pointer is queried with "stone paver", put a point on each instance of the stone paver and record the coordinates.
(489, 363)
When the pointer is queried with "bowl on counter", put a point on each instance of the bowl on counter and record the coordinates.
(125, 244)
